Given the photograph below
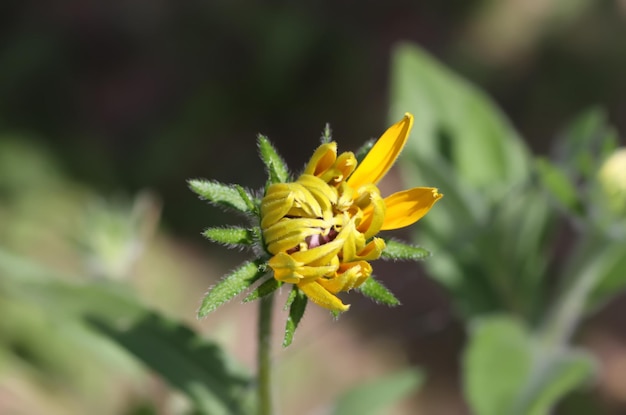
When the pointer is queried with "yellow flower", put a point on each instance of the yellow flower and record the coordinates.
(321, 229)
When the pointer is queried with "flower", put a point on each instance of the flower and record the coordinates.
(320, 230)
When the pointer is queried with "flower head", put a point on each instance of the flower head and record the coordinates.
(321, 229)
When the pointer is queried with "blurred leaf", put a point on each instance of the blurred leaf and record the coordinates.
(456, 121)
(275, 165)
(231, 285)
(297, 304)
(377, 396)
(559, 185)
(375, 290)
(508, 371)
(186, 361)
(199, 368)
(400, 251)
(221, 194)
(230, 236)
(586, 141)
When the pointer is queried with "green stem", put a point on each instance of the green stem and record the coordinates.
(263, 356)
(570, 308)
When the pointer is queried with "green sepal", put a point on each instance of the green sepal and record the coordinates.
(229, 196)
(327, 134)
(297, 304)
(264, 289)
(247, 198)
(232, 237)
(276, 167)
(378, 292)
(364, 149)
(232, 285)
(400, 251)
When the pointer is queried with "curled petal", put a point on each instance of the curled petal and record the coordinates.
(323, 159)
(374, 208)
(277, 202)
(341, 169)
(372, 250)
(287, 269)
(320, 255)
(384, 153)
(288, 233)
(407, 207)
(325, 195)
(349, 275)
(322, 297)
(354, 242)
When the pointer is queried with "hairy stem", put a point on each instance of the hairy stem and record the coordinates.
(263, 356)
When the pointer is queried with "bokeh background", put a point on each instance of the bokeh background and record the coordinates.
(109, 107)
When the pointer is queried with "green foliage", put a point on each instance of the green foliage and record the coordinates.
(82, 313)
(296, 303)
(275, 165)
(495, 231)
(222, 195)
(375, 290)
(403, 252)
(231, 285)
(456, 121)
(377, 396)
(507, 370)
(266, 288)
(559, 186)
(193, 365)
(231, 236)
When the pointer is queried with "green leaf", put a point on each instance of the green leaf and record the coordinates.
(297, 304)
(559, 185)
(456, 120)
(364, 150)
(377, 396)
(247, 198)
(586, 142)
(231, 285)
(231, 236)
(200, 369)
(267, 287)
(220, 194)
(276, 166)
(191, 364)
(404, 252)
(497, 364)
(378, 292)
(509, 371)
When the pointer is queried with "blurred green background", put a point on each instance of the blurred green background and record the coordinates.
(107, 108)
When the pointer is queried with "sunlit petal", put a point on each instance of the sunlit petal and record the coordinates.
(384, 153)
(322, 297)
(407, 207)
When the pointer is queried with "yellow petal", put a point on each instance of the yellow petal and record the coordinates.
(384, 153)
(322, 297)
(323, 159)
(373, 206)
(287, 269)
(348, 276)
(407, 207)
